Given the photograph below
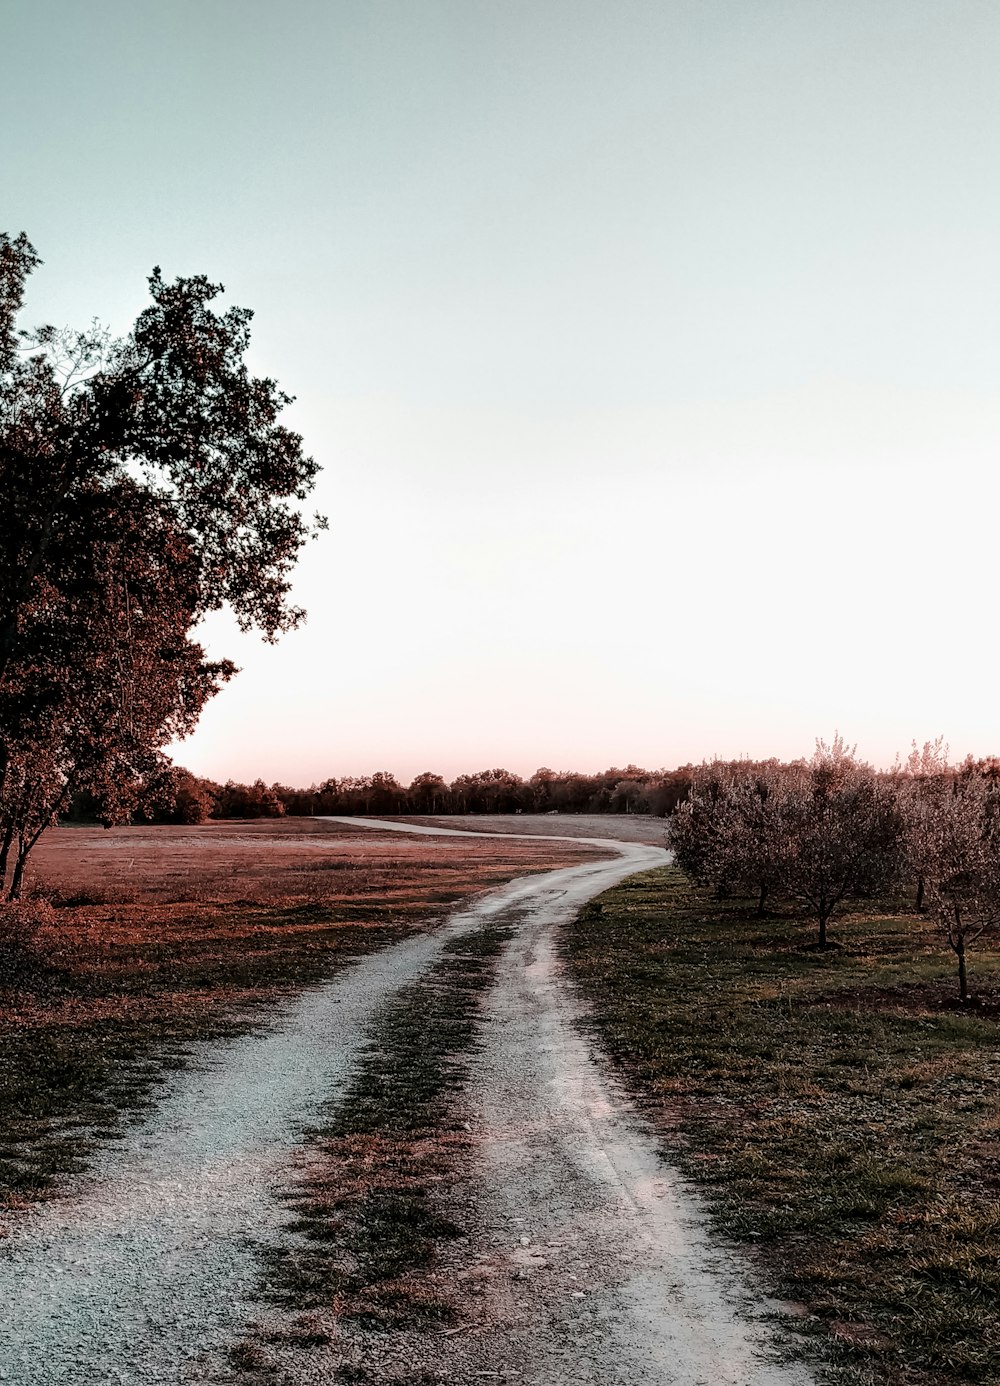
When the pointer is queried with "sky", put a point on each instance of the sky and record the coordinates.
(650, 350)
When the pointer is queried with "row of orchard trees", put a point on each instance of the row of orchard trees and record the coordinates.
(832, 829)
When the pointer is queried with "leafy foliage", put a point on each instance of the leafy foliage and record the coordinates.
(953, 844)
(143, 483)
(820, 831)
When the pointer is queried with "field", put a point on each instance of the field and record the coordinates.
(136, 941)
(623, 827)
(839, 1108)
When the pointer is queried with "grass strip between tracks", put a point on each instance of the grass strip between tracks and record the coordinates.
(838, 1109)
(367, 1226)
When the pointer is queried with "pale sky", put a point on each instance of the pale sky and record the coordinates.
(651, 351)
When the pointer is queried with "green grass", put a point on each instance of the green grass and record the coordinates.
(838, 1108)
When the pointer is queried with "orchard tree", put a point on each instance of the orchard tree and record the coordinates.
(726, 832)
(955, 845)
(749, 837)
(143, 483)
(694, 827)
(922, 784)
(840, 833)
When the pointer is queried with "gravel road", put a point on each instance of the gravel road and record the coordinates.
(148, 1263)
(603, 1267)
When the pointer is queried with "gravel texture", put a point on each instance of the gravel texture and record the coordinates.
(149, 1262)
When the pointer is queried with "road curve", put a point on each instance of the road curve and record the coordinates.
(606, 1266)
(144, 1270)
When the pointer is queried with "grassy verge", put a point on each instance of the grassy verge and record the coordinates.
(365, 1213)
(838, 1108)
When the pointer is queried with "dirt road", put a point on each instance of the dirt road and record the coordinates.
(144, 1271)
(605, 1271)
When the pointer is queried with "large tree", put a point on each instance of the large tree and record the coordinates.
(104, 672)
(143, 482)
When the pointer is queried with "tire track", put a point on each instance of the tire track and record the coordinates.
(148, 1264)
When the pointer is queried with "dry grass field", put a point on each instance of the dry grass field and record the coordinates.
(289, 861)
(137, 941)
(622, 827)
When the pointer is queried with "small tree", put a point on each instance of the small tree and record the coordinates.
(748, 842)
(956, 846)
(922, 783)
(840, 834)
(694, 827)
(726, 832)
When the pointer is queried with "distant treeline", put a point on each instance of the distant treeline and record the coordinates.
(177, 796)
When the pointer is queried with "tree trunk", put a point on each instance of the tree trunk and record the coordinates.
(17, 880)
(760, 899)
(8, 838)
(822, 930)
(24, 846)
(963, 980)
(920, 895)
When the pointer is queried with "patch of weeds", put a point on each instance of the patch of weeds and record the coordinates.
(840, 1115)
(248, 1357)
(367, 1224)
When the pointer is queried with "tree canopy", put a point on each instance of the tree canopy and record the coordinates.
(144, 482)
